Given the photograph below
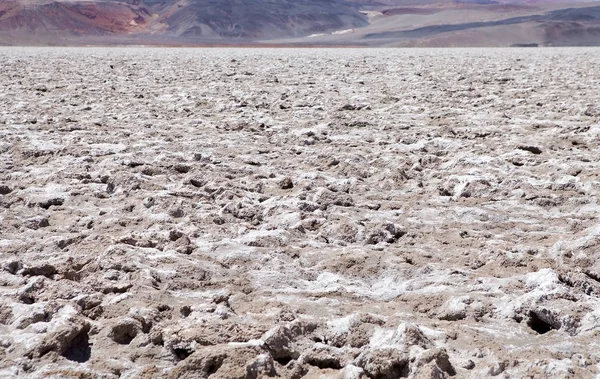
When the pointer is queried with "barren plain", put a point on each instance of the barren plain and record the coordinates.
(245, 213)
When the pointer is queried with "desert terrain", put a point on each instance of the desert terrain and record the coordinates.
(299, 213)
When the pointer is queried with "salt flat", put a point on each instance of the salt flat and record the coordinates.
(245, 213)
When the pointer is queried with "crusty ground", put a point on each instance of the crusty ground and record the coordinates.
(298, 213)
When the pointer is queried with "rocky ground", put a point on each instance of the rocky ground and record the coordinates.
(299, 213)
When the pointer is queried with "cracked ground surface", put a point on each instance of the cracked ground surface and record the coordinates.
(243, 213)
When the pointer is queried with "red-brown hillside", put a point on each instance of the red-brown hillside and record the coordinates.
(78, 18)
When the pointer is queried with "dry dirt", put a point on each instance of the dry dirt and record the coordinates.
(299, 213)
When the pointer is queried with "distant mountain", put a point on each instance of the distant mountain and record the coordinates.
(313, 22)
(73, 17)
(475, 23)
(571, 20)
(173, 20)
(255, 19)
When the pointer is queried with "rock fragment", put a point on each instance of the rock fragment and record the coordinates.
(384, 363)
(55, 201)
(286, 183)
(149, 202)
(36, 223)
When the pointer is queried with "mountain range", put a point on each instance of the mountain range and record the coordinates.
(300, 22)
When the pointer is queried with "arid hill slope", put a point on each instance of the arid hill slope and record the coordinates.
(306, 22)
(184, 21)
